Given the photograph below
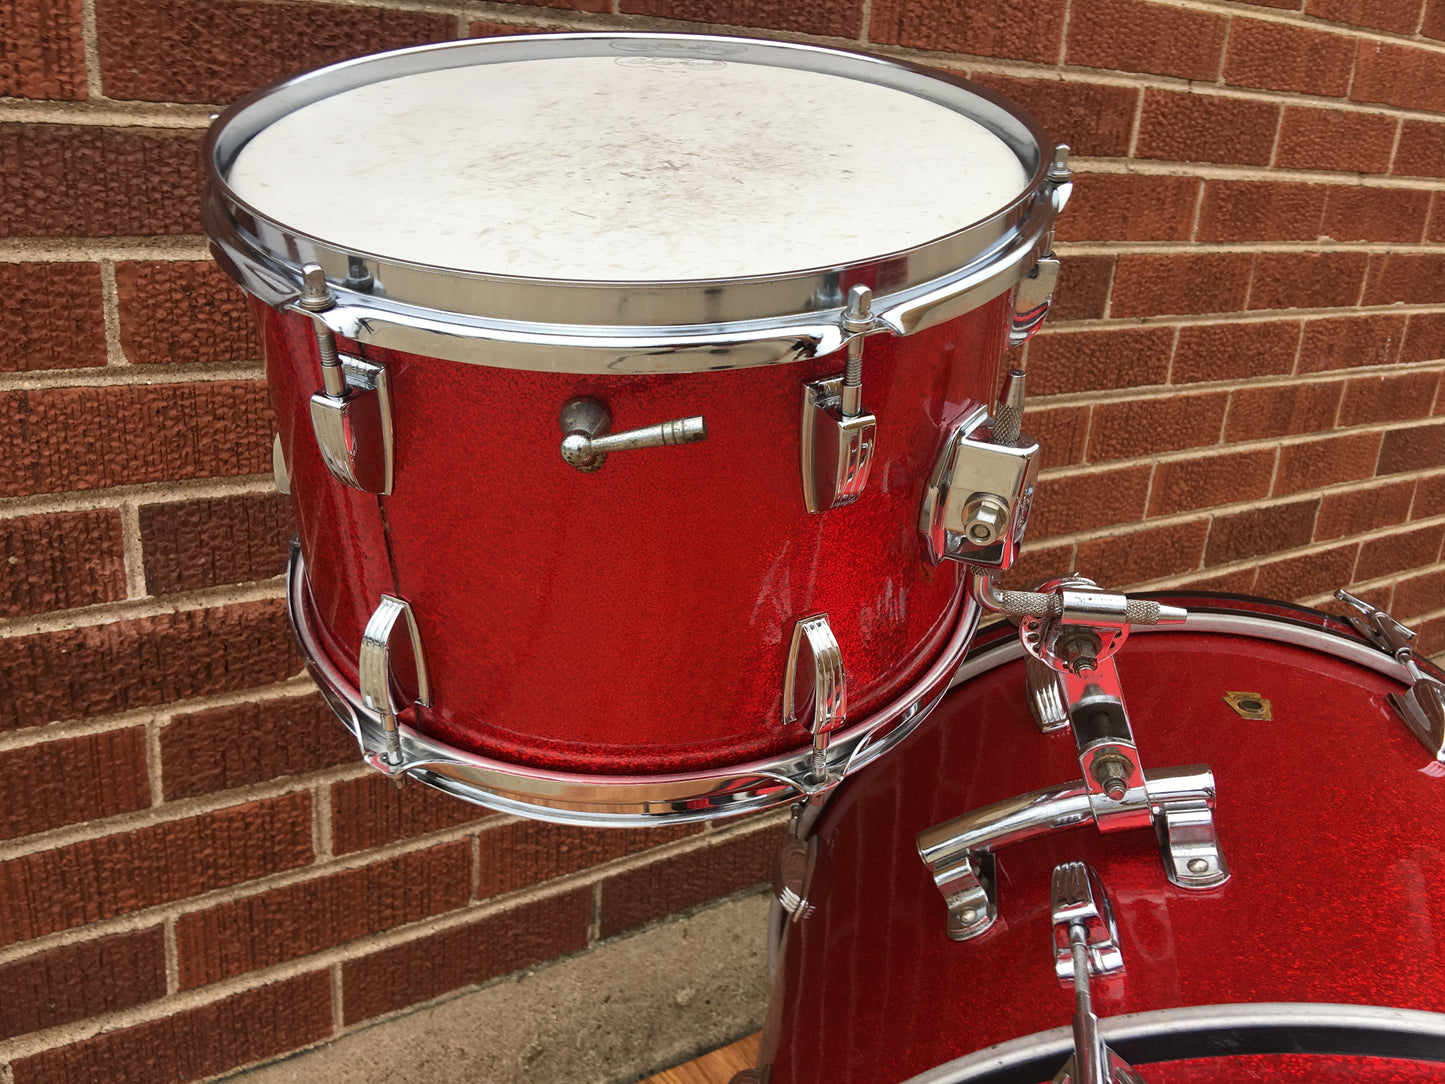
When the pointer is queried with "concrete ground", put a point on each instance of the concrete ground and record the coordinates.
(613, 1015)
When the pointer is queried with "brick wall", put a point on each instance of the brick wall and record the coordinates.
(1239, 388)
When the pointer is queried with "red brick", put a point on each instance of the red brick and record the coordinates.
(1433, 24)
(95, 879)
(1421, 152)
(1415, 279)
(1151, 426)
(1351, 342)
(60, 561)
(1260, 211)
(1307, 280)
(1083, 289)
(1129, 207)
(1402, 75)
(1095, 119)
(42, 51)
(1206, 128)
(1399, 552)
(844, 20)
(1127, 35)
(1238, 582)
(1335, 140)
(185, 312)
(1149, 285)
(1147, 554)
(372, 812)
(1212, 480)
(222, 540)
(1361, 510)
(1260, 413)
(233, 746)
(420, 970)
(61, 985)
(1419, 595)
(1418, 448)
(1094, 360)
(1429, 498)
(1424, 338)
(1303, 577)
(527, 852)
(1375, 214)
(1284, 56)
(286, 923)
(117, 181)
(57, 439)
(143, 662)
(1039, 561)
(1006, 28)
(1431, 640)
(1317, 463)
(193, 1043)
(641, 895)
(74, 779)
(1400, 16)
(1288, 5)
(1235, 351)
(1260, 531)
(497, 30)
(1057, 509)
(1388, 398)
(52, 317)
(172, 51)
(1061, 434)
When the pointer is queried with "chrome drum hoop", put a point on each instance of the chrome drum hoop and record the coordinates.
(581, 326)
(623, 801)
(1212, 1030)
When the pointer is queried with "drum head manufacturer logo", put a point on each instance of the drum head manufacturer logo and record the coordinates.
(670, 63)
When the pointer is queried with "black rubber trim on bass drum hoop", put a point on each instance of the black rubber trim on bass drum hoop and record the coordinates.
(1212, 1031)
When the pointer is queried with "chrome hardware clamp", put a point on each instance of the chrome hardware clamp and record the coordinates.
(976, 503)
(1423, 705)
(815, 673)
(1086, 943)
(838, 436)
(393, 617)
(1071, 630)
(351, 415)
(587, 440)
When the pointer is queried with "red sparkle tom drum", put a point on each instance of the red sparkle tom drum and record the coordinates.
(1316, 960)
(618, 379)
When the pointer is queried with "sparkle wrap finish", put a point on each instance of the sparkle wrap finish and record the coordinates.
(1333, 835)
(636, 619)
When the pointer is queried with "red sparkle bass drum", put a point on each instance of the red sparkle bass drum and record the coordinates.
(1273, 911)
(633, 393)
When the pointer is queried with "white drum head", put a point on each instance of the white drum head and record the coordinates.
(626, 168)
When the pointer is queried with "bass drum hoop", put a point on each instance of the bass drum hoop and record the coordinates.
(1206, 1031)
(607, 801)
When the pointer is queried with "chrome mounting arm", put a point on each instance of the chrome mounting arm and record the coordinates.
(1071, 630)
(1422, 706)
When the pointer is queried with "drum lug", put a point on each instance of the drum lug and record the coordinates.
(838, 436)
(1422, 706)
(1032, 298)
(351, 415)
(279, 474)
(392, 624)
(1079, 899)
(977, 499)
(816, 683)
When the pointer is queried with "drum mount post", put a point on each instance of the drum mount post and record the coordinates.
(1071, 630)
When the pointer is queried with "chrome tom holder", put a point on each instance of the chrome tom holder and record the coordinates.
(1071, 630)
